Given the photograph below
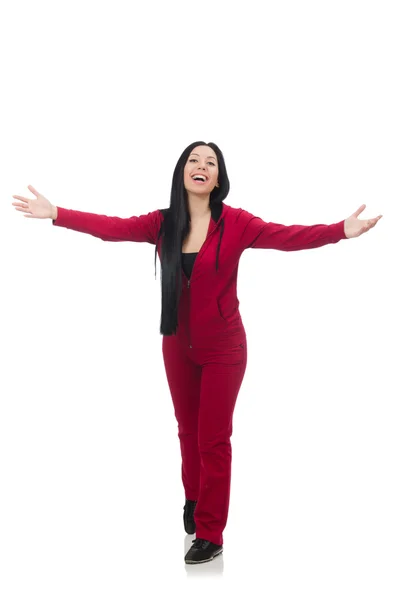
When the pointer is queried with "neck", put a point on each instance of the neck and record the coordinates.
(199, 206)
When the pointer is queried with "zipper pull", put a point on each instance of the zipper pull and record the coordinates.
(188, 283)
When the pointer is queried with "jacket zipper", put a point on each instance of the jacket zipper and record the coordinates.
(188, 281)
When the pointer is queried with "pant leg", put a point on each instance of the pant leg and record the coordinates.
(184, 378)
(221, 380)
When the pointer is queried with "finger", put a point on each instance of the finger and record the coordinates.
(32, 189)
(359, 210)
(23, 209)
(19, 204)
(21, 198)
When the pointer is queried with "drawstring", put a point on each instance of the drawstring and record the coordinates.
(222, 225)
(155, 249)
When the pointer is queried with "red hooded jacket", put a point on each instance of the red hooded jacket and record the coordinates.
(208, 312)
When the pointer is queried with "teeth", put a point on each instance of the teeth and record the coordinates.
(199, 178)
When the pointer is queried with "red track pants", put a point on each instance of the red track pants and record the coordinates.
(204, 384)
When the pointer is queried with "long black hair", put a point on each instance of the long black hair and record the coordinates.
(174, 229)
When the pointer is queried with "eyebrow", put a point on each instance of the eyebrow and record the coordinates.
(199, 155)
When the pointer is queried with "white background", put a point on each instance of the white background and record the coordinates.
(98, 101)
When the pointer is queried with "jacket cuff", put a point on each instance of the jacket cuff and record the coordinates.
(337, 231)
(59, 214)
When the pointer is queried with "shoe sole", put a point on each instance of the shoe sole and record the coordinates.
(197, 562)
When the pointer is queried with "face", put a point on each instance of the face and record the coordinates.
(201, 161)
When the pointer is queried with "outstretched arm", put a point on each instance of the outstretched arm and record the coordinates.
(256, 233)
(143, 228)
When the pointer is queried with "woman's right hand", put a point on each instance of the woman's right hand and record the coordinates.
(36, 208)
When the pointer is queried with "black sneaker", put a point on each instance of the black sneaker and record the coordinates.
(188, 520)
(202, 551)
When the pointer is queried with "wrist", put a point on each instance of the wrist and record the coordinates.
(54, 215)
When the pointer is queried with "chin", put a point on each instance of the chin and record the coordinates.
(194, 190)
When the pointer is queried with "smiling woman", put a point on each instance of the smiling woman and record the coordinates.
(204, 342)
(186, 221)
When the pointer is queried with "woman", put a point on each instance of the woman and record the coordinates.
(200, 240)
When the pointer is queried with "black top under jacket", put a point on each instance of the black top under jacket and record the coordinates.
(188, 259)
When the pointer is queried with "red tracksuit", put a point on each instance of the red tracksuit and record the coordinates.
(206, 360)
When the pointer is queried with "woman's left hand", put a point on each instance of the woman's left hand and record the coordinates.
(355, 227)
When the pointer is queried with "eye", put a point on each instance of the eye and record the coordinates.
(193, 159)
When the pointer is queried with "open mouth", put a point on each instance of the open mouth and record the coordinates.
(199, 181)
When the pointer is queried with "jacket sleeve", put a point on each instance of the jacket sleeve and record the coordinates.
(255, 233)
(144, 228)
